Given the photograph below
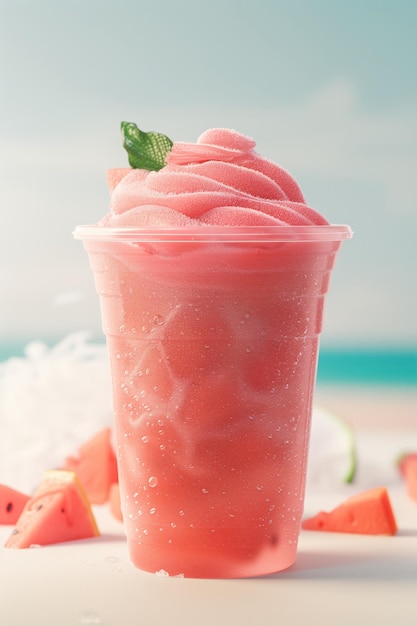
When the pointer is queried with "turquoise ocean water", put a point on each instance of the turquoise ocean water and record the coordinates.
(376, 366)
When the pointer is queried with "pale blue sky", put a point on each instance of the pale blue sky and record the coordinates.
(326, 88)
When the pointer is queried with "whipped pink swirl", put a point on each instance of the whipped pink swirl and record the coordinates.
(220, 180)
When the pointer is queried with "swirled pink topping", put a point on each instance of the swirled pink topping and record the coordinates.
(220, 180)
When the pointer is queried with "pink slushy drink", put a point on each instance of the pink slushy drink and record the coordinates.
(212, 274)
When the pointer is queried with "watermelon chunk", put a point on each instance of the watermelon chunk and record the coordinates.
(367, 513)
(59, 511)
(12, 503)
(95, 466)
(407, 465)
(114, 502)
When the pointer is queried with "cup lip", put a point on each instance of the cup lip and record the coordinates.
(207, 233)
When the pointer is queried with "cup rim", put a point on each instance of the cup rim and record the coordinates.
(207, 233)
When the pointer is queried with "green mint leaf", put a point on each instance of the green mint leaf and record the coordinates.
(146, 151)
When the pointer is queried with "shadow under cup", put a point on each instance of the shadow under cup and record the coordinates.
(212, 335)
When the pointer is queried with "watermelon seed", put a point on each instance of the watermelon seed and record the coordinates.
(9, 507)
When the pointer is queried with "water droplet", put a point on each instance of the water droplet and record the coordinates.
(204, 490)
(112, 559)
(145, 439)
(153, 481)
(90, 618)
(158, 320)
(259, 487)
(152, 511)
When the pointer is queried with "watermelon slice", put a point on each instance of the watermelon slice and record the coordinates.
(59, 511)
(11, 504)
(114, 501)
(367, 513)
(407, 465)
(95, 466)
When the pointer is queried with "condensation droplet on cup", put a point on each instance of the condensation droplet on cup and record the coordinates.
(153, 481)
(158, 320)
(145, 439)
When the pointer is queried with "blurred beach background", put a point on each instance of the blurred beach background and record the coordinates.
(326, 88)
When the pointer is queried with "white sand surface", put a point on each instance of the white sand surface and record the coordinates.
(376, 407)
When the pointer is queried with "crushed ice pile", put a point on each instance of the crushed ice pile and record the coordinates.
(51, 401)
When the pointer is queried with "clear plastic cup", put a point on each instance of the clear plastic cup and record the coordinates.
(213, 338)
